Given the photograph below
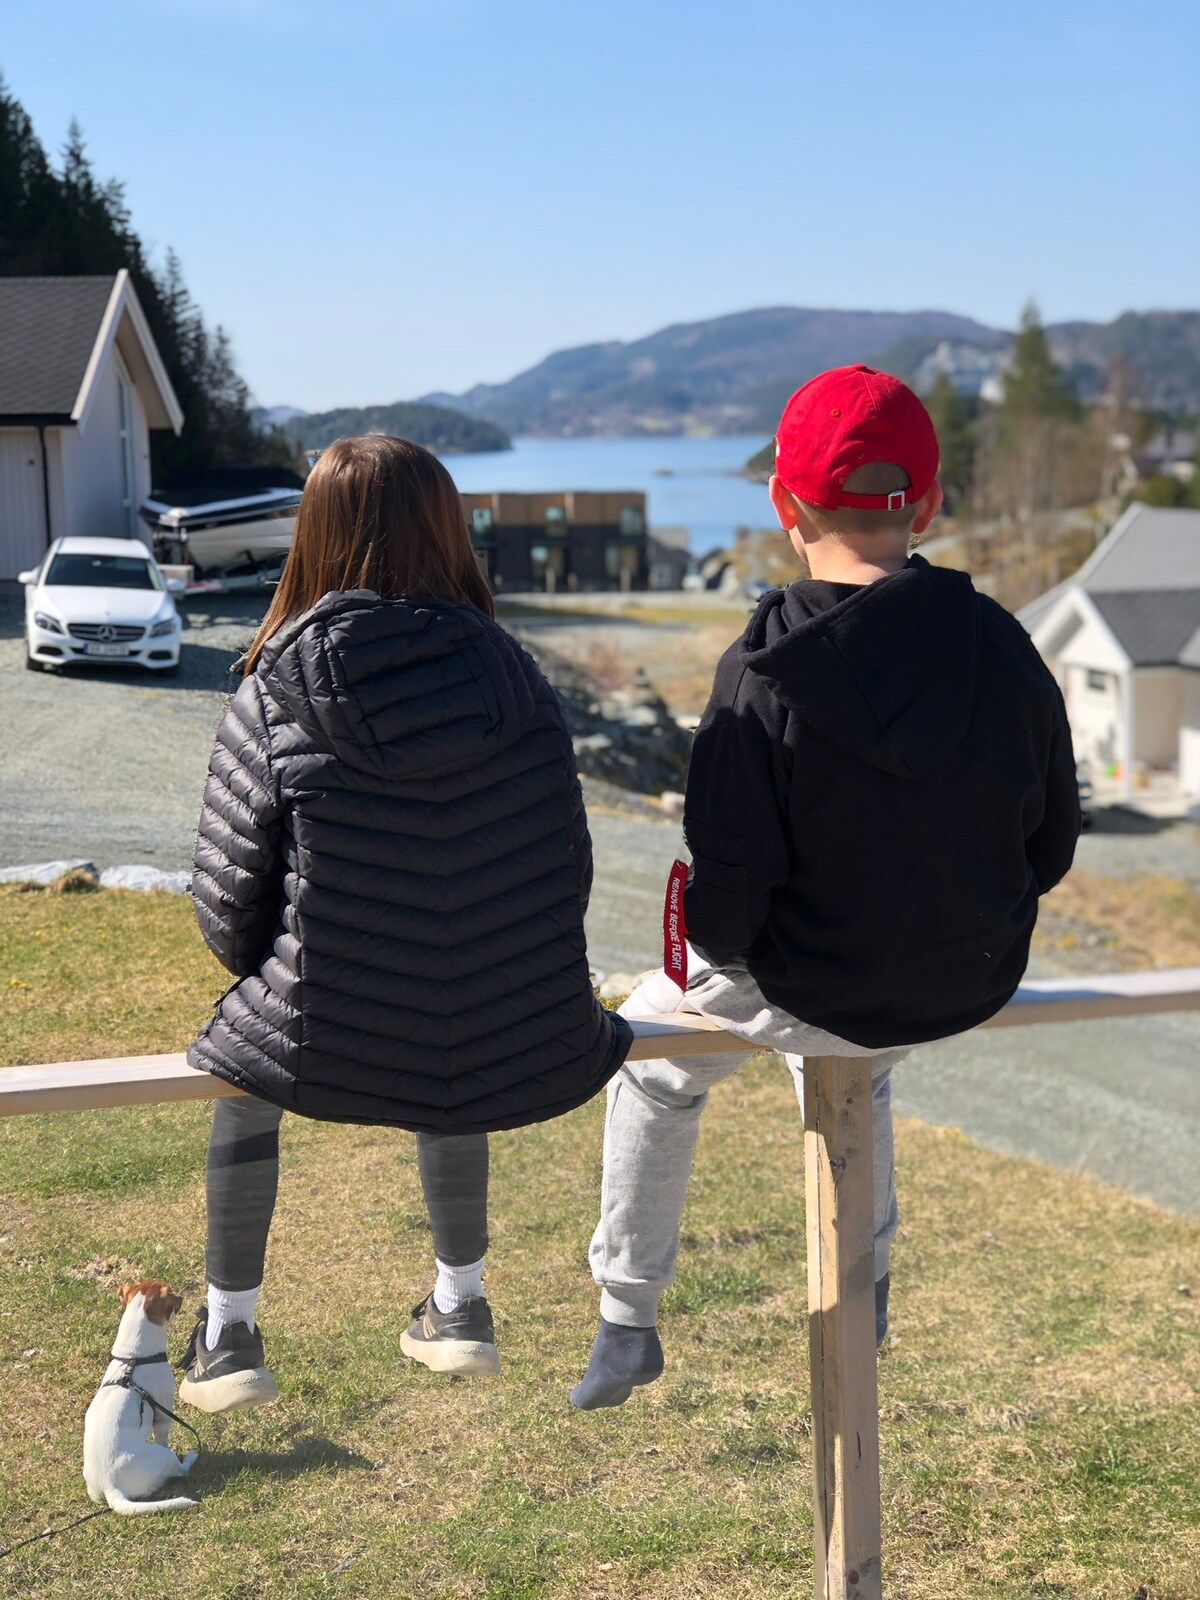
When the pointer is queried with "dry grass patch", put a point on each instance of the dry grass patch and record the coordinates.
(114, 972)
(685, 680)
(1143, 922)
(1038, 1394)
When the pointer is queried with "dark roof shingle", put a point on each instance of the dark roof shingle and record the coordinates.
(48, 328)
(1153, 626)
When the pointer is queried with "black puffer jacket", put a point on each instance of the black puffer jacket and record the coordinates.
(393, 857)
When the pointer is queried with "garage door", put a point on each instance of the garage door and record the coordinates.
(22, 518)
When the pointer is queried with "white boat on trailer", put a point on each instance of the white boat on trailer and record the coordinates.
(232, 525)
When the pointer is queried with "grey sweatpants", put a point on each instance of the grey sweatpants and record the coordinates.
(653, 1122)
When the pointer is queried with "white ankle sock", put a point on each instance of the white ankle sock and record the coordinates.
(456, 1284)
(229, 1305)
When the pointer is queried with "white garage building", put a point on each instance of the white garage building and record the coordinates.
(81, 385)
(1123, 639)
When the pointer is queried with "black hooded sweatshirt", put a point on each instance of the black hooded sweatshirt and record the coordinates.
(881, 787)
(393, 859)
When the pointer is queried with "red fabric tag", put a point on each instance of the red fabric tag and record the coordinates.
(675, 963)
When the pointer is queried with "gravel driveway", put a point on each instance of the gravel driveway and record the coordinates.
(110, 765)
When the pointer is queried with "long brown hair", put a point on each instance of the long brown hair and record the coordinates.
(382, 514)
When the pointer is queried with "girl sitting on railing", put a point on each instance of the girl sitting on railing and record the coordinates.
(393, 858)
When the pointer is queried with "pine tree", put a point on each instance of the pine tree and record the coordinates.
(951, 414)
(1034, 384)
(230, 401)
(1037, 433)
(30, 194)
(86, 239)
(69, 222)
(176, 302)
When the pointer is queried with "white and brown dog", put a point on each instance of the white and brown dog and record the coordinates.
(125, 1432)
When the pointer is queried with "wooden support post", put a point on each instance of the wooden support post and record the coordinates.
(841, 1320)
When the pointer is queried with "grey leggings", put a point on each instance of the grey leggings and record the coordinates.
(243, 1178)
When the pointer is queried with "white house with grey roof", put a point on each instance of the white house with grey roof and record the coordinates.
(1123, 639)
(81, 385)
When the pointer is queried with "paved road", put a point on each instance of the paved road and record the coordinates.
(110, 766)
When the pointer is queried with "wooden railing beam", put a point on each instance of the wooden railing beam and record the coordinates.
(143, 1080)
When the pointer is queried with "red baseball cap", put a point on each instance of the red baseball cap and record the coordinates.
(847, 418)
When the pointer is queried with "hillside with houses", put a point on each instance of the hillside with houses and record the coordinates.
(732, 374)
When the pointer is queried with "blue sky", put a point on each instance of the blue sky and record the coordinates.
(383, 197)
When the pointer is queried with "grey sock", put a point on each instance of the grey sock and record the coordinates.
(622, 1359)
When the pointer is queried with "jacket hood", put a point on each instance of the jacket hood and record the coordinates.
(400, 688)
(887, 674)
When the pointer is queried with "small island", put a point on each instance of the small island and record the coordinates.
(439, 428)
(761, 464)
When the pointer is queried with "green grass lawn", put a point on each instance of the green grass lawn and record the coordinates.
(1038, 1396)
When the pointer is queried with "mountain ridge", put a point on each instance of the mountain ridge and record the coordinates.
(731, 374)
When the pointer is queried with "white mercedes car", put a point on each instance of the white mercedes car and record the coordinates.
(100, 600)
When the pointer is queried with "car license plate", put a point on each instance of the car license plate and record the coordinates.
(106, 650)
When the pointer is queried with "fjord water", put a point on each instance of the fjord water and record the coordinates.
(691, 483)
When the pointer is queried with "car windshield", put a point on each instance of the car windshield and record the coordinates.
(78, 571)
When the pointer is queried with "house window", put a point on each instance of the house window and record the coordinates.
(1097, 682)
(556, 522)
(632, 521)
(481, 521)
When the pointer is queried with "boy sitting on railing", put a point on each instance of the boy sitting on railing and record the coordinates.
(882, 786)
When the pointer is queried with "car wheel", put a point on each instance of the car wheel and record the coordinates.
(33, 666)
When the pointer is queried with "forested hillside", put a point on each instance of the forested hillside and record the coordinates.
(59, 219)
(438, 428)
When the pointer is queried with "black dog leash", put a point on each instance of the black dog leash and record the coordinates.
(50, 1533)
(125, 1381)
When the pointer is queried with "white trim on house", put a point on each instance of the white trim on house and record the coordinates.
(162, 383)
(1055, 635)
(100, 344)
(121, 303)
(1075, 600)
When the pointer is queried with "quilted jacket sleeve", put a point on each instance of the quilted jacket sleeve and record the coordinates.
(238, 877)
